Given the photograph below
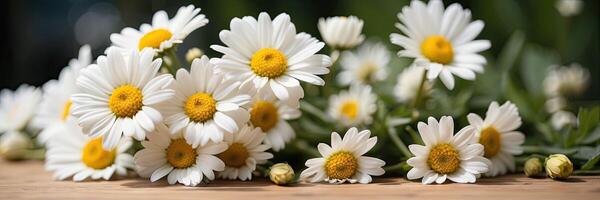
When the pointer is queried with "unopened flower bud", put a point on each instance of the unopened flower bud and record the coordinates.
(14, 145)
(533, 167)
(192, 54)
(558, 166)
(281, 174)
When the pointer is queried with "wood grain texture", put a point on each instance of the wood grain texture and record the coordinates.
(28, 180)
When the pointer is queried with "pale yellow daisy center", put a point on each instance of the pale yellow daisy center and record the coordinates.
(437, 49)
(154, 38)
(366, 71)
(66, 110)
(349, 109)
(490, 139)
(94, 156)
(200, 107)
(180, 154)
(125, 101)
(443, 159)
(263, 114)
(235, 156)
(341, 165)
(268, 62)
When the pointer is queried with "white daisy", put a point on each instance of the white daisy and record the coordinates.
(566, 81)
(170, 155)
(561, 119)
(408, 84)
(353, 107)
(498, 136)
(568, 8)
(55, 106)
(245, 151)
(206, 105)
(367, 65)
(344, 161)
(73, 153)
(271, 115)
(119, 96)
(341, 32)
(14, 145)
(441, 40)
(18, 107)
(445, 155)
(269, 54)
(162, 34)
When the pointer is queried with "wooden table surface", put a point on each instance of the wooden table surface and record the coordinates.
(28, 180)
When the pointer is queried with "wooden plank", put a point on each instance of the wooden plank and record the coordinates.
(28, 180)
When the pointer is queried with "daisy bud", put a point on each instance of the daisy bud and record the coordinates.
(281, 174)
(341, 32)
(193, 53)
(14, 145)
(558, 166)
(533, 167)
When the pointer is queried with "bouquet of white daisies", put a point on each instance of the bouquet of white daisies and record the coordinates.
(276, 94)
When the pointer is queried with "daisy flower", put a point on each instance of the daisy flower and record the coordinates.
(170, 155)
(269, 54)
(14, 145)
(206, 105)
(353, 107)
(18, 107)
(121, 96)
(409, 83)
(367, 65)
(445, 155)
(74, 154)
(566, 81)
(344, 161)
(568, 8)
(341, 32)
(498, 136)
(441, 40)
(55, 106)
(245, 151)
(271, 115)
(162, 34)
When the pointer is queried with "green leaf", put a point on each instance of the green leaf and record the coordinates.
(588, 119)
(591, 154)
(534, 67)
(592, 137)
(511, 50)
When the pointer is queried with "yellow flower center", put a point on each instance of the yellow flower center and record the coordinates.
(268, 62)
(200, 107)
(349, 109)
(180, 154)
(235, 156)
(443, 159)
(437, 49)
(263, 114)
(94, 156)
(153, 38)
(66, 110)
(490, 139)
(126, 101)
(341, 165)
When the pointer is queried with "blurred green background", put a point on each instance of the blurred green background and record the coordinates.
(39, 37)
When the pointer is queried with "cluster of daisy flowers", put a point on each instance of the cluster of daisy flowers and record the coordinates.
(225, 116)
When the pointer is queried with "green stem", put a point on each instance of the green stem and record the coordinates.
(309, 108)
(175, 64)
(398, 142)
(395, 167)
(414, 135)
(416, 101)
